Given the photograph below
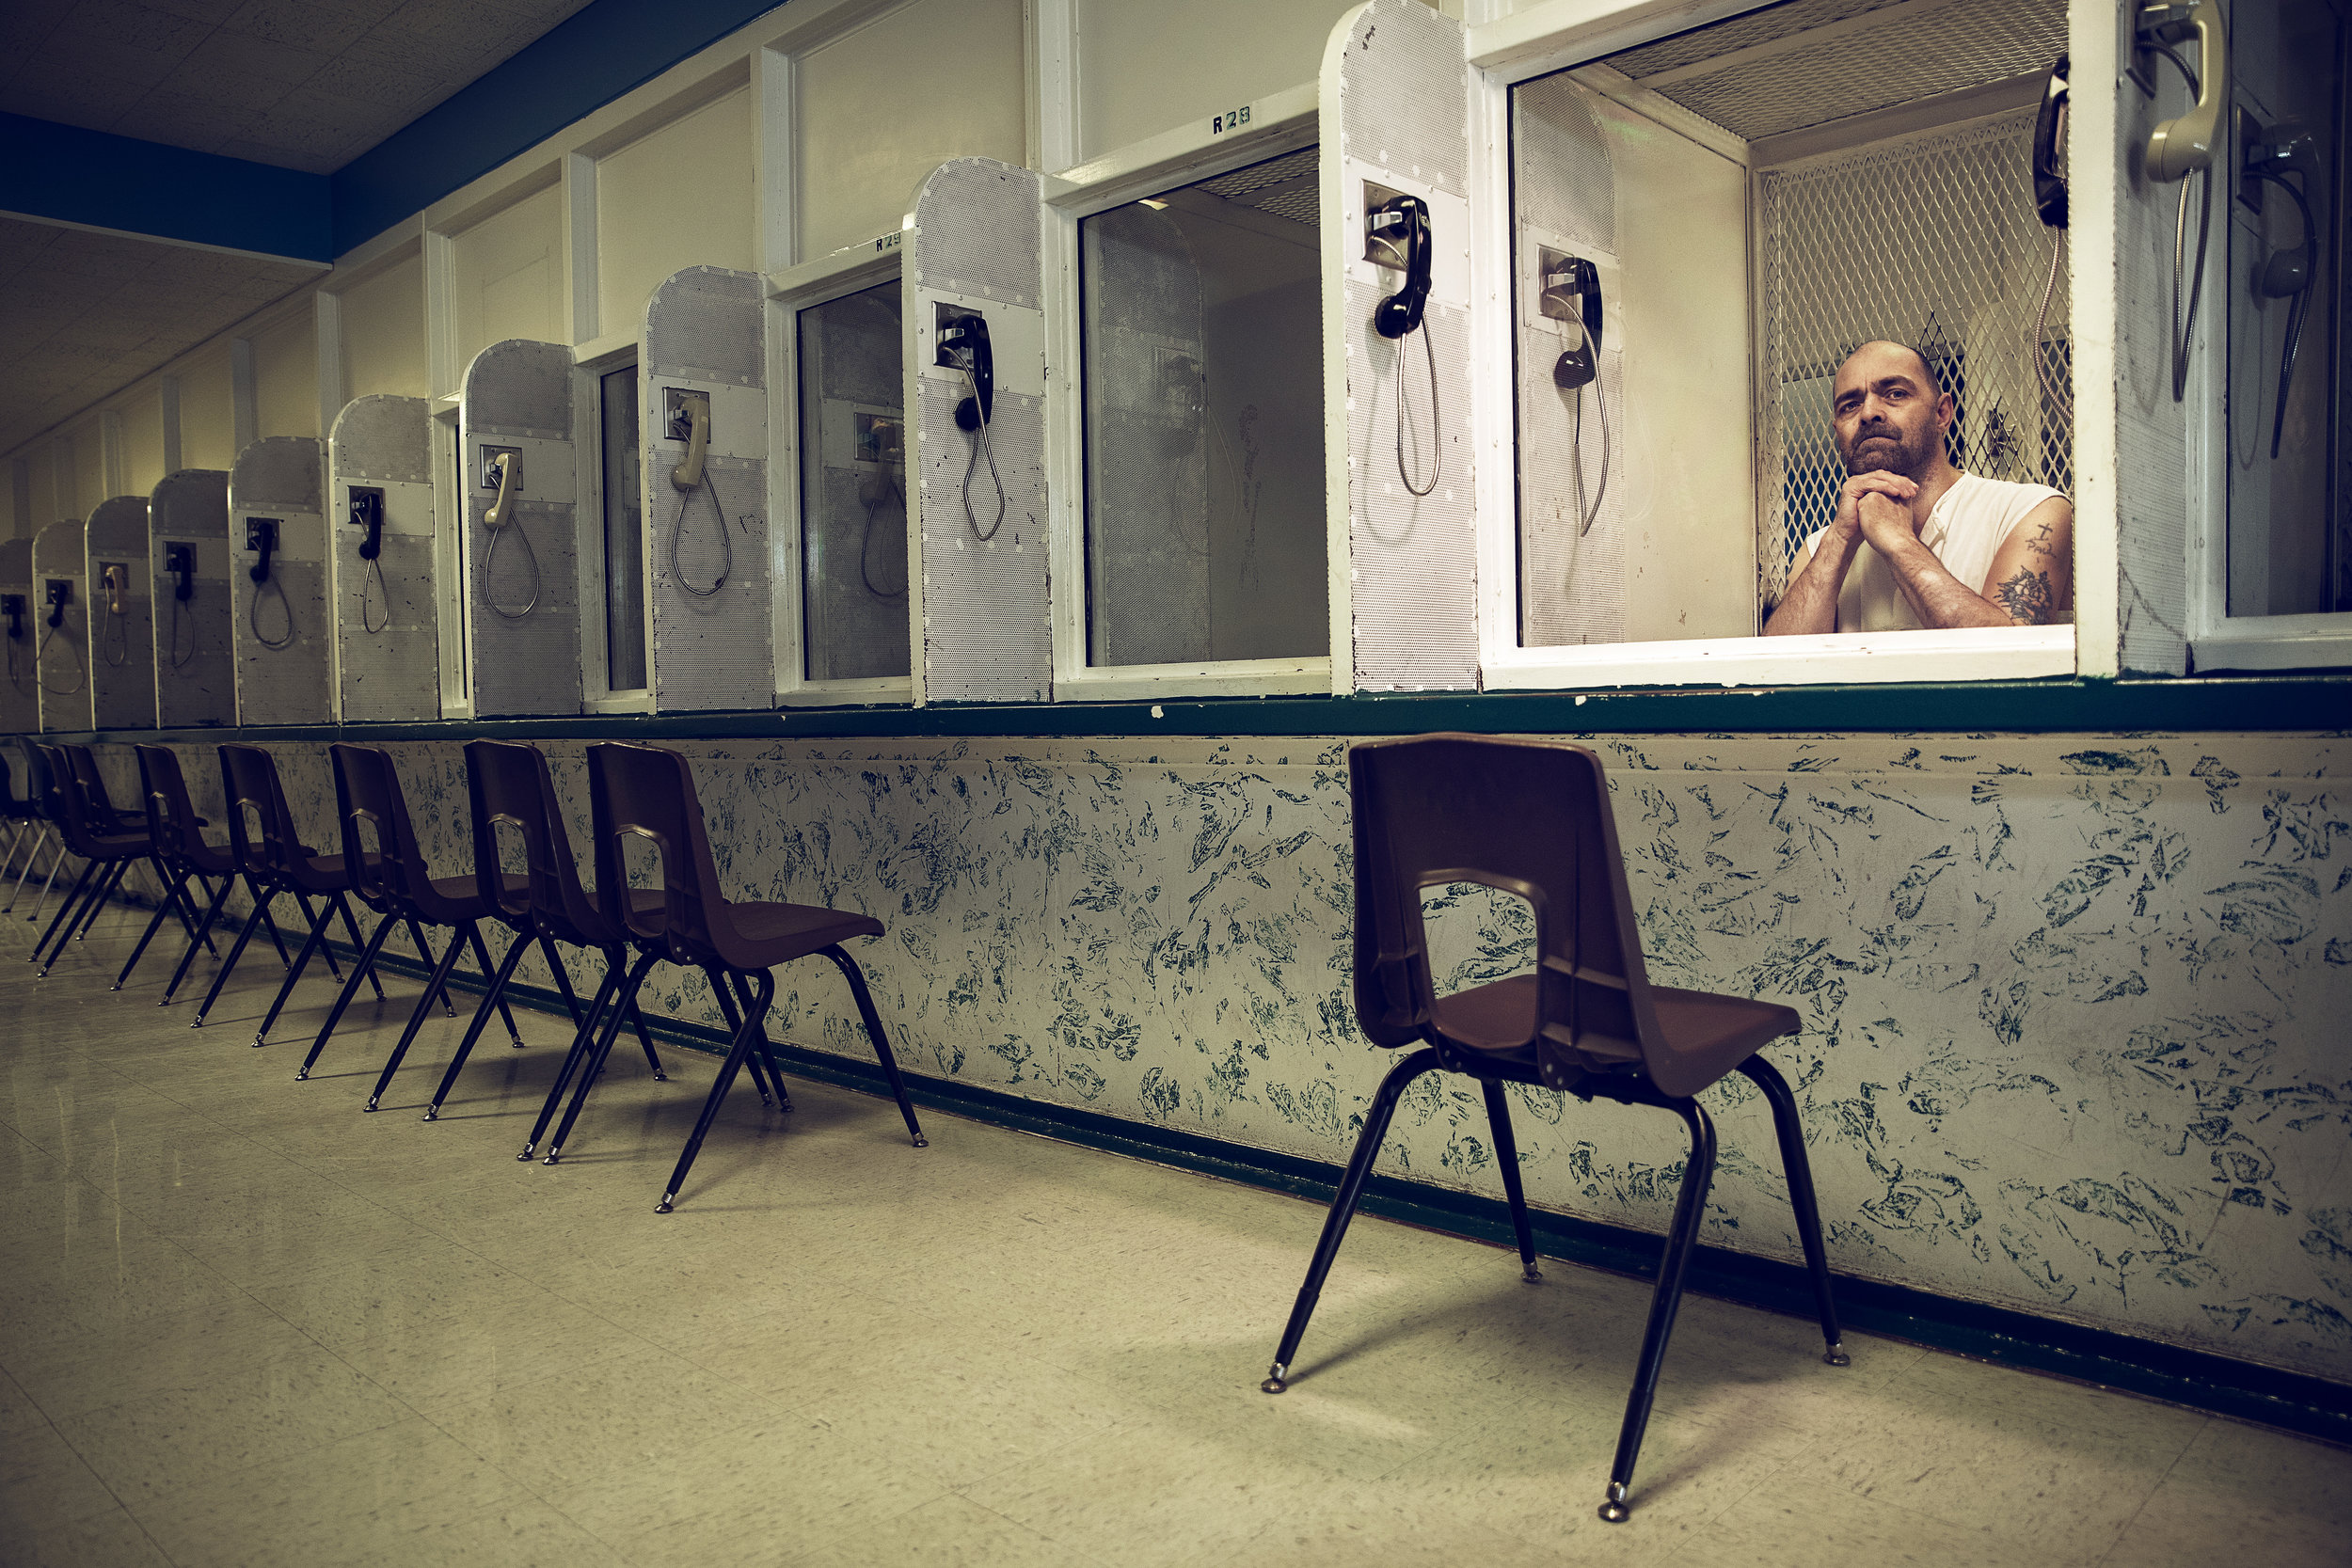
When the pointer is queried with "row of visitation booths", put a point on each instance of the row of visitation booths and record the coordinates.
(1483, 360)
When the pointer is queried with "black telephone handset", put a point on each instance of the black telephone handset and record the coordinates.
(964, 345)
(1401, 312)
(2049, 148)
(367, 512)
(60, 596)
(1576, 278)
(179, 561)
(12, 606)
(261, 534)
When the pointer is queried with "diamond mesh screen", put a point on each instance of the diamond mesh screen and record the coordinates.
(1738, 32)
(1285, 187)
(1958, 266)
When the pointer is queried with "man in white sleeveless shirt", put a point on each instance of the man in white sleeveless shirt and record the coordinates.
(1917, 543)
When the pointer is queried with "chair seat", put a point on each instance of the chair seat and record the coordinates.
(1716, 1033)
(456, 899)
(111, 846)
(772, 934)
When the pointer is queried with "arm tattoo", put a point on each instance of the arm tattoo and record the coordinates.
(2026, 594)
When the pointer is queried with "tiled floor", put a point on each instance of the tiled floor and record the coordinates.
(243, 1323)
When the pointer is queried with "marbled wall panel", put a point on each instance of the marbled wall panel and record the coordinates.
(2075, 1005)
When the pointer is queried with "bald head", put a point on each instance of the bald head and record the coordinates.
(1887, 413)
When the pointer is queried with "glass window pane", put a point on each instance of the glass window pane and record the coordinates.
(854, 498)
(624, 536)
(1203, 367)
(2290, 531)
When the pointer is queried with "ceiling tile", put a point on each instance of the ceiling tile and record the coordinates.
(199, 10)
(242, 55)
(71, 97)
(115, 32)
(306, 25)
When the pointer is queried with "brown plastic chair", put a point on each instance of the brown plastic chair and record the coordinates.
(509, 787)
(394, 881)
(273, 860)
(1530, 818)
(649, 792)
(85, 820)
(181, 853)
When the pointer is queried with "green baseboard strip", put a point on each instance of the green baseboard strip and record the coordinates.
(2200, 1380)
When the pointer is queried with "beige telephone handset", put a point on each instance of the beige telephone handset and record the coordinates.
(2185, 143)
(498, 517)
(114, 579)
(688, 474)
(689, 422)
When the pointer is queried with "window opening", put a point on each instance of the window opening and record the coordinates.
(624, 530)
(853, 486)
(1202, 360)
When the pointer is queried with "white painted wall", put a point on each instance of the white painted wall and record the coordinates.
(208, 426)
(383, 330)
(1144, 68)
(142, 441)
(671, 199)
(285, 378)
(506, 279)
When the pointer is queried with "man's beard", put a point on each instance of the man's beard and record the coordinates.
(1897, 453)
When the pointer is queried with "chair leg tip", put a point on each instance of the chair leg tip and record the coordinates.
(303, 1076)
(368, 1107)
(433, 1113)
(1615, 1510)
(525, 1155)
(921, 1142)
(554, 1156)
(1836, 1357)
(664, 1206)
(1277, 1379)
(1532, 1274)
(660, 1077)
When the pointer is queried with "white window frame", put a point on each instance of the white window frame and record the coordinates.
(452, 561)
(597, 693)
(1536, 42)
(848, 270)
(1279, 123)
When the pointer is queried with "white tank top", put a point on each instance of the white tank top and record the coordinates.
(1970, 523)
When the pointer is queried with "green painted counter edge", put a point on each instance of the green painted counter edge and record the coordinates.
(2302, 702)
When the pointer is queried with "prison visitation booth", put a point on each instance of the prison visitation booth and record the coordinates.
(281, 626)
(975, 285)
(123, 627)
(841, 625)
(704, 485)
(187, 518)
(61, 647)
(382, 552)
(20, 697)
(522, 546)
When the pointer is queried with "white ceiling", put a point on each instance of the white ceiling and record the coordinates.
(301, 83)
(83, 314)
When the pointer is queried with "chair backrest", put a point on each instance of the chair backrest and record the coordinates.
(392, 876)
(649, 792)
(69, 802)
(511, 785)
(98, 806)
(1526, 817)
(36, 783)
(172, 823)
(248, 776)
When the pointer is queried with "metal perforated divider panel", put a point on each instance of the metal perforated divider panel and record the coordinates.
(523, 579)
(1969, 266)
(1572, 587)
(19, 699)
(61, 652)
(386, 618)
(195, 668)
(122, 640)
(1148, 465)
(2152, 432)
(985, 639)
(280, 631)
(713, 632)
(1403, 111)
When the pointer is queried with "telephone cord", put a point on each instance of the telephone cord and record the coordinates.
(179, 659)
(979, 444)
(489, 562)
(726, 541)
(81, 663)
(253, 615)
(374, 579)
(1437, 467)
(1588, 513)
(2061, 402)
(866, 544)
(16, 676)
(2298, 310)
(117, 630)
(2184, 325)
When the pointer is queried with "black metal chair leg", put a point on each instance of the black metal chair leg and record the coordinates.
(426, 953)
(1507, 1155)
(438, 984)
(97, 905)
(587, 1068)
(1344, 1209)
(314, 942)
(269, 924)
(763, 1048)
(229, 965)
(87, 895)
(338, 904)
(763, 992)
(473, 1029)
(167, 907)
(361, 968)
(204, 931)
(735, 1014)
(874, 1033)
(1665, 1301)
(482, 957)
(584, 1039)
(563, 976)
(1789, 1129)
(316, 919)
(637, 1021)
(89, 869)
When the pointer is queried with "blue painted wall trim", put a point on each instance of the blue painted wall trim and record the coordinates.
(600, 52)
(142, 187)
